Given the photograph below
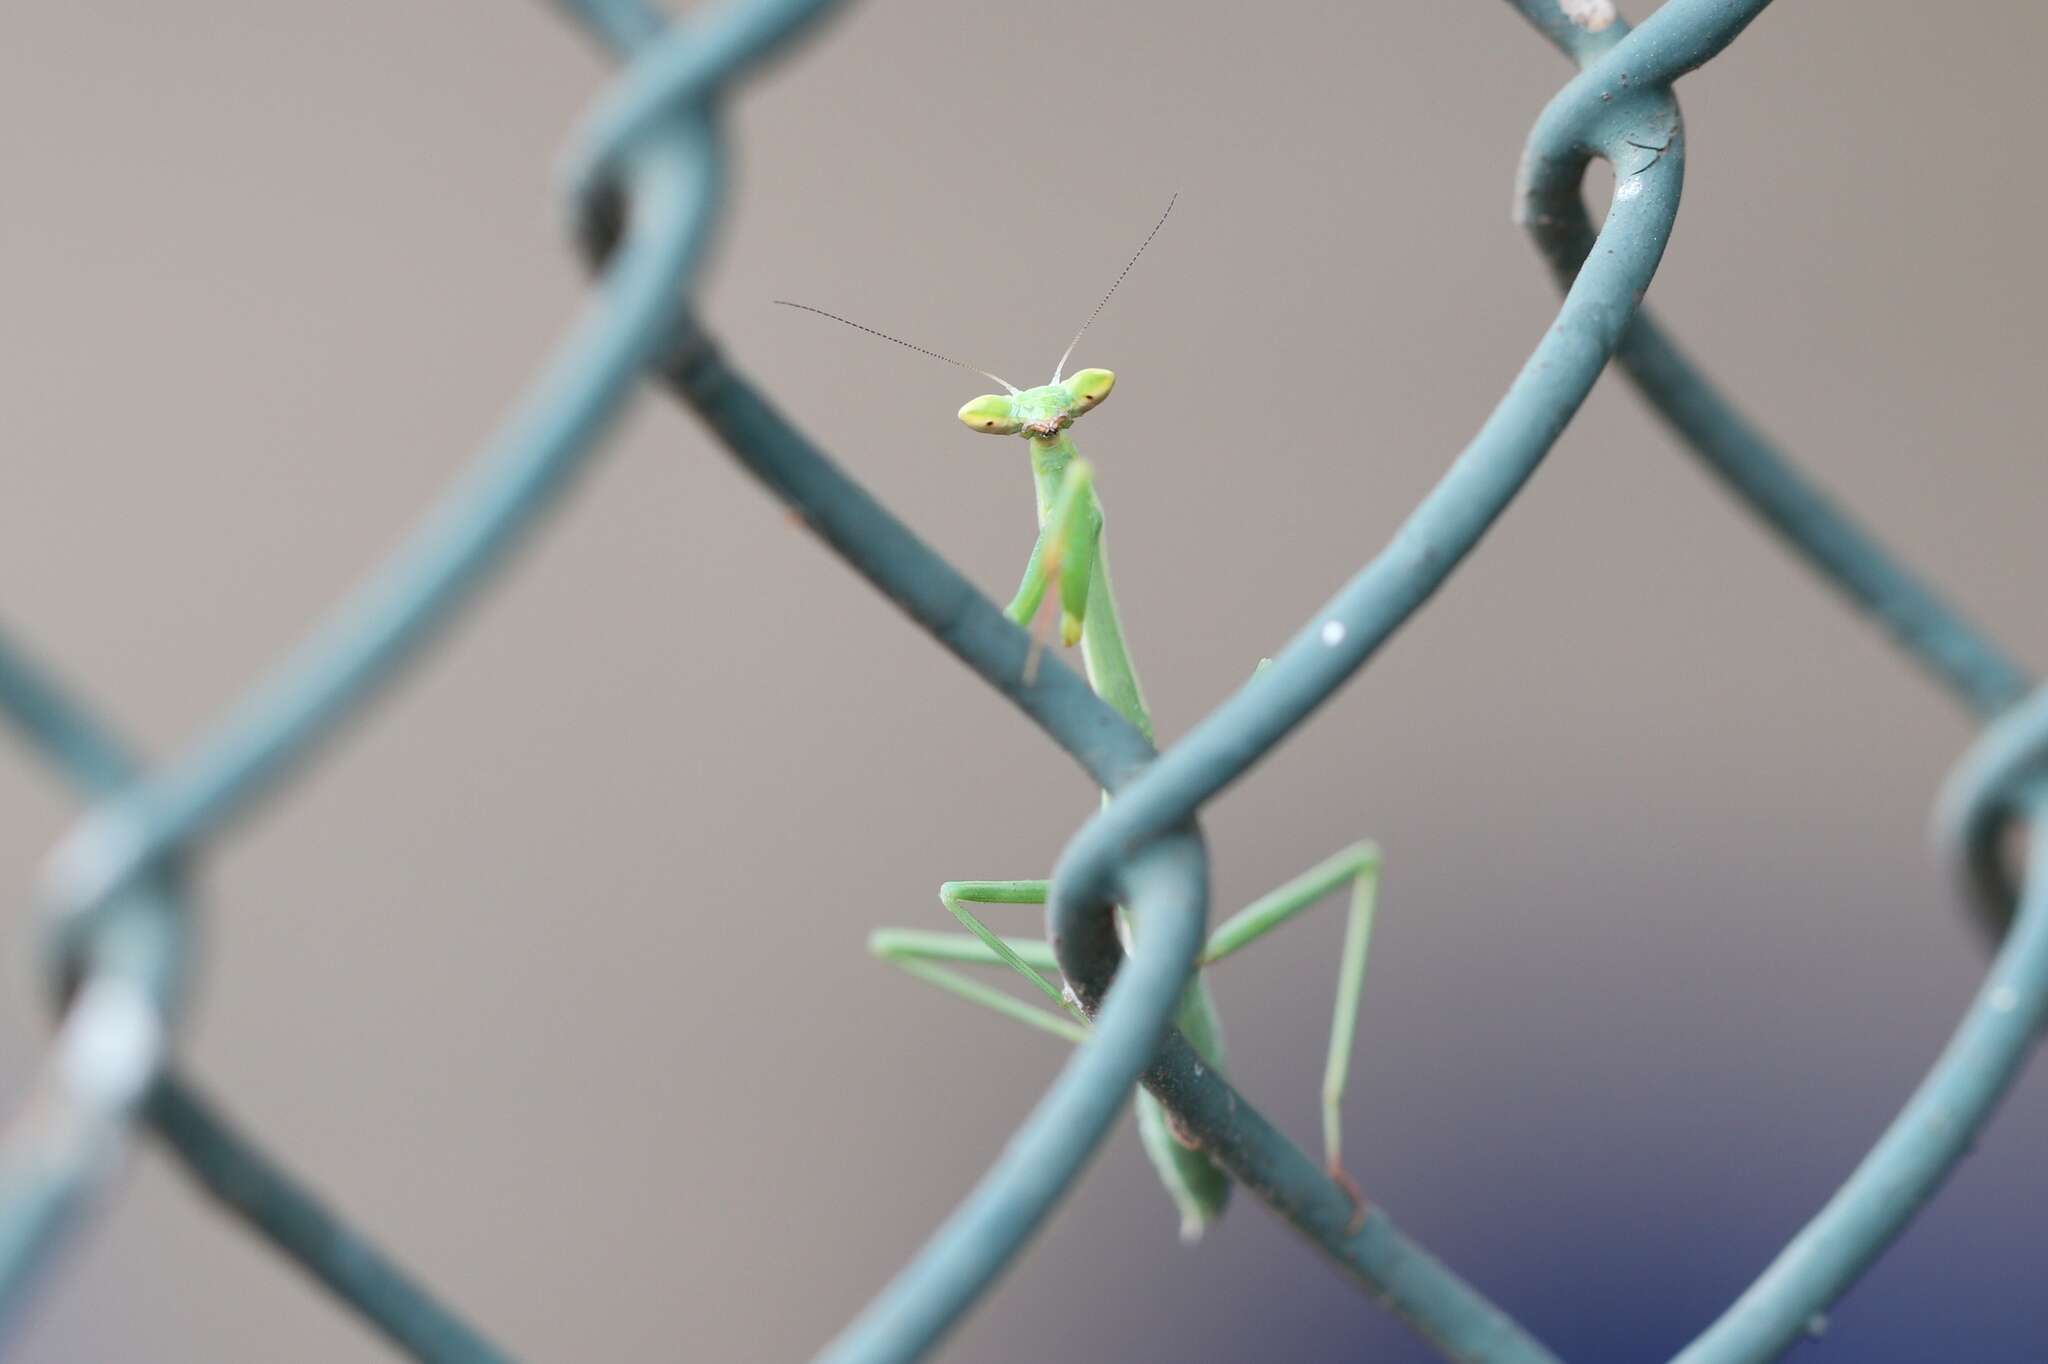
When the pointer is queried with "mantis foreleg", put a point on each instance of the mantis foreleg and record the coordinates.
(1064, 553)
(1031, 591)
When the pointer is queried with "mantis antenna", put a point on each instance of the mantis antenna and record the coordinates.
(1067, 354)
(785, 303)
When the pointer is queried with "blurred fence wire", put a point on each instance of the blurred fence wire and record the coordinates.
(645, 189)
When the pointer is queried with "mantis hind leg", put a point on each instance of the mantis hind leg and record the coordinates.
(1197, 1187)
(925, 955)
(1359, 865)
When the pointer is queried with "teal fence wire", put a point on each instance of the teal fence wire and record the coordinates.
(645, 188)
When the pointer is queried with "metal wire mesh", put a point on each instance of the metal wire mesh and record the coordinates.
(645, 189)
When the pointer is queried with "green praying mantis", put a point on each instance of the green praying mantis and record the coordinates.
(1070, 562)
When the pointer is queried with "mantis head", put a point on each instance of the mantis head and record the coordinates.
(1039, 413)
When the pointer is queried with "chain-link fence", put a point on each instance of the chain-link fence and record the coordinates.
(646, 189)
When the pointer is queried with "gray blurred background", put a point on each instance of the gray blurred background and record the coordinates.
(552, 974)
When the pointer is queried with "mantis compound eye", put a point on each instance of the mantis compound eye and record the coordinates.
(1089, 387)
(992, 413)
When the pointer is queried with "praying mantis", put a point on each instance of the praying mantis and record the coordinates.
(1069, 561)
